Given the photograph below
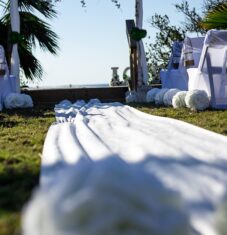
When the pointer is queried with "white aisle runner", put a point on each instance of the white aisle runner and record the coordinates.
(187, 159)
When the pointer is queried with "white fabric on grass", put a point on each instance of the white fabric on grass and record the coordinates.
(168, 96)
(179, 100)
(186, 159)
(106, 197)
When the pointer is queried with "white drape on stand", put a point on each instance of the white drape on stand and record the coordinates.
(15, 25)
(142, 62)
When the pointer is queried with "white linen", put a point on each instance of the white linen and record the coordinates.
(211, 75)
(216, 38)
(7, 86)
(184, 158)
(15, 26)
(174, 78)
(142, 61)
(3, 63)
(178, 78)
(106, 197)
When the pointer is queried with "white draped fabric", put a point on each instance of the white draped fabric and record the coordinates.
(142, 68)
(7, 82)
(15, 25)
(178, 78)
(211, 74)
(186, 159)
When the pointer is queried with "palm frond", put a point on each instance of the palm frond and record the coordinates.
(46, 8)
(35, 30)
(30, 64)
(217, 18)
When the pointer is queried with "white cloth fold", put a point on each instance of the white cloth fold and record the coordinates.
(184, 158)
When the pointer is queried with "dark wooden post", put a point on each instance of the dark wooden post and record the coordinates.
(130, 24)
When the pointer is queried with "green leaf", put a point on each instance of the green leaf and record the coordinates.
(137, 34)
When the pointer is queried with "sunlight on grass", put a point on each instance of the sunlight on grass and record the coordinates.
(21, 141)
(214, 120)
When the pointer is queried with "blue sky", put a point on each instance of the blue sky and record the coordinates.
(92, 40)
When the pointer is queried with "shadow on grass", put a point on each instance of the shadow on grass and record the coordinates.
(36, 111)
(17, 185)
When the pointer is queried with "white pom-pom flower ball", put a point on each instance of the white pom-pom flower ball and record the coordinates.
(14, 100)
(168, 96)
(107, 197)
(150, 97)
(197, 100)
(28, 102)
(131, 97)
(160, 95)
(179, 99)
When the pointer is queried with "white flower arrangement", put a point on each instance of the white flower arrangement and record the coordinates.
(131, 97)
(28, 102)
(17, 100)
(197, 100)
(179, 100)
(150, 97)
(106, 197)
(168, 96)
(159, 96)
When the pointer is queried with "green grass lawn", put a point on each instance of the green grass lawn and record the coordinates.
(22, 134)
(214, 120)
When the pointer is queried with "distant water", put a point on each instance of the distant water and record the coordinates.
(70, 86)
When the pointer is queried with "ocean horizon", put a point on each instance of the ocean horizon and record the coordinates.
(102, 85)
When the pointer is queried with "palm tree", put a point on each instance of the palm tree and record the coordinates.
(216, 18)
(34, 32)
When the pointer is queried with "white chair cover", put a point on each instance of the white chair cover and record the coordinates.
(211, 73)
(7, 82)
(178, 78)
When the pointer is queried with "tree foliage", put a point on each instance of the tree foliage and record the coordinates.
(159, 51)
(216, 18)
(83, 2)
(34, 33)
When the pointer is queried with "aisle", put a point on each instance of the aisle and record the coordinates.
(187, 159)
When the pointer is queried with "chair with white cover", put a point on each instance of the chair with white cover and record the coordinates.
(7, 82)
(184, 55)
(211, 74)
